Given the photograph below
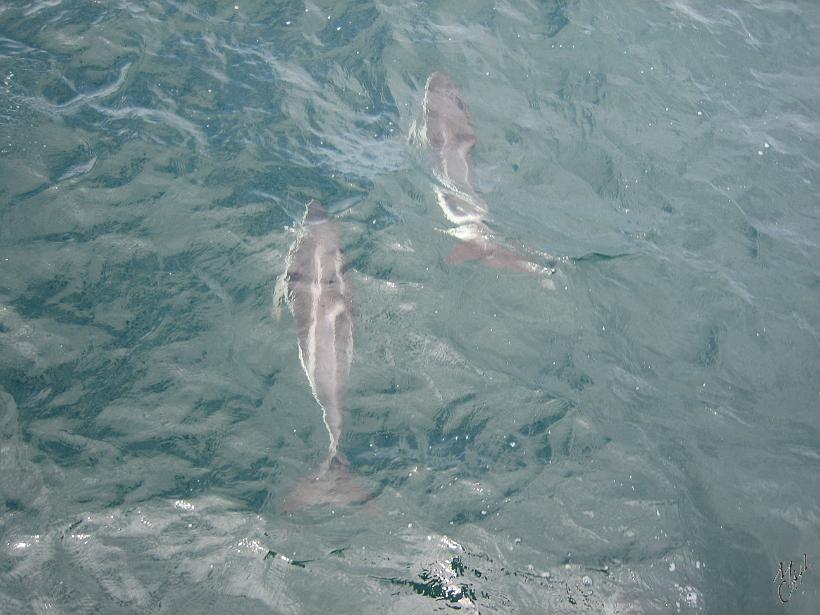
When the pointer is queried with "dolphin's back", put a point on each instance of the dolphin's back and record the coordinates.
(449, 130)
(319, 297)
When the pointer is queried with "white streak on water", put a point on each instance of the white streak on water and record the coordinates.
(213, 285)
(79, 169)
(36, 7)
(157, 116)
(101, 92)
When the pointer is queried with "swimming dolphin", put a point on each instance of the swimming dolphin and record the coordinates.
(449, 131)
(319, 296)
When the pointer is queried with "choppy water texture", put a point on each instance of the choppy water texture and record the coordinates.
(644, 438)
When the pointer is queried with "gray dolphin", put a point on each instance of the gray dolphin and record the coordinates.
(319, 296)
(449, 130)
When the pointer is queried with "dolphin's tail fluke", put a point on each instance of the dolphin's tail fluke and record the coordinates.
(335, 485)
(477, 243)
(492, 255)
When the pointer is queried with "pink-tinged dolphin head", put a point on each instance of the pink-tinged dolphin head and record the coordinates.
(448, 121)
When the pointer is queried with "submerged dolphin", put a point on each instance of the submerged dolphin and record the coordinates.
(449, 131)
(319, 297)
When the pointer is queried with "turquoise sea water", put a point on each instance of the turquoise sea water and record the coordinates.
(644, 438)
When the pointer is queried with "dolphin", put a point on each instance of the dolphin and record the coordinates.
(319, 296)
(448, 129)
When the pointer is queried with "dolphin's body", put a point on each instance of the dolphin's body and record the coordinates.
(319, 297)
(449, 131)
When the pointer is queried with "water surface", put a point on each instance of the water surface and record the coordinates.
(644, 438)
